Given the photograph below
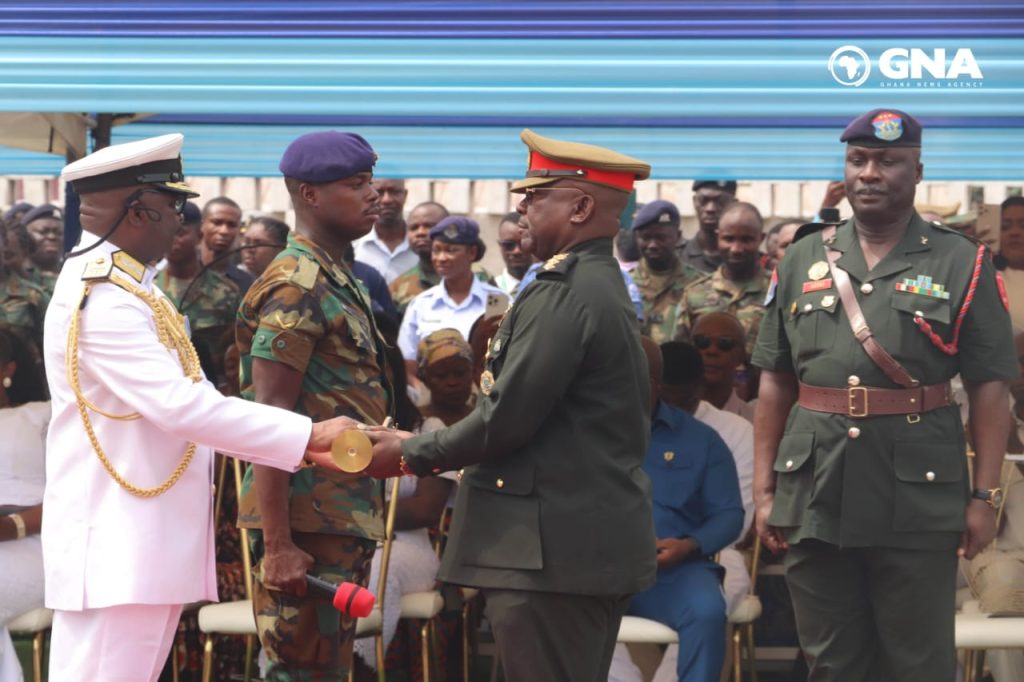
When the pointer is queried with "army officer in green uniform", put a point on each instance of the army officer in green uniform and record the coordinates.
(860, 468)
(553, 515)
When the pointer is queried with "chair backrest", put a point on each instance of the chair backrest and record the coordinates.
(389, 536)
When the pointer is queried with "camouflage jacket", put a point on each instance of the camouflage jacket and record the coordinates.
(309, 312)
(661, 293)
(415, 281)
(212, 298)
(44, 279)
(22, 307)
(714, 293)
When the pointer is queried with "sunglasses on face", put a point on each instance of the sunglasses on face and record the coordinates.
(530, 193)
(724, 343)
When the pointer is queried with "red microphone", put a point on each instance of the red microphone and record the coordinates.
(349, 598)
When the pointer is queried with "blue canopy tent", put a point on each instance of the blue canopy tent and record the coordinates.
(746, 90)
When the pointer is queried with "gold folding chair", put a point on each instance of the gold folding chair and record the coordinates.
(741, 621)
(37, 623)
(236, 617)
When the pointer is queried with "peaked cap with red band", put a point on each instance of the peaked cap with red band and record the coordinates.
(553, 160)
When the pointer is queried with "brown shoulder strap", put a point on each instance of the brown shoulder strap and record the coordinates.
(887, 363)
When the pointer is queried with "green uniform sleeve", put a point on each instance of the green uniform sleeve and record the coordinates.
(987, 351)
(291, 323)
(772, 350)
(543, 354)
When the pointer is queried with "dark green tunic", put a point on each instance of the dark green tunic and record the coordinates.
(897, 483)
(554, 498)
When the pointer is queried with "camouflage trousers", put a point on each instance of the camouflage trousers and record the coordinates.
(305, 638)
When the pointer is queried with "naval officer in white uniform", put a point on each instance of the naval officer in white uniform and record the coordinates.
(128, 530)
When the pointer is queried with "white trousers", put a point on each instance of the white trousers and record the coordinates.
(127, 643)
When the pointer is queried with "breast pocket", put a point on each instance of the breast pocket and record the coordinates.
(815, 316)
(673, 480)
(931, 308)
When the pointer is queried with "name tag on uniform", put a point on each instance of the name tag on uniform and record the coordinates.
(817, 285)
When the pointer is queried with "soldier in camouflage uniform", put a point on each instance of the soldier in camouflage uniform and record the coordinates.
(308, 342)
(22, 302)
(205, 296)
(660, 275)
(740, 285)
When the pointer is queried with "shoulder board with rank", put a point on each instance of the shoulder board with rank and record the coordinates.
(946, 228)
(98, 268)
(810, 228)
(557, 266)
(306, 271)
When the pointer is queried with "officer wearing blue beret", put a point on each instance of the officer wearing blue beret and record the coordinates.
(860, 471)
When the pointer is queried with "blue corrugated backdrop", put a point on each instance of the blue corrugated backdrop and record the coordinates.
(728, 89)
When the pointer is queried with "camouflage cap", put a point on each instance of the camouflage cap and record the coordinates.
(883, 128)
(441, 345)
(552, 160)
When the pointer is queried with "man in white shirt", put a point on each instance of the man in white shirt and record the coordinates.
(128, 531)
(517, 261)
(459, 299)
(385, 248)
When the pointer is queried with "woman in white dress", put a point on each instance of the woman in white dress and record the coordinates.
(24, 413)
(444, 364)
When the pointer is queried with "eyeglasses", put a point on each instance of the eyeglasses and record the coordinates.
(529, 194)
(508, 244)
(724, 343)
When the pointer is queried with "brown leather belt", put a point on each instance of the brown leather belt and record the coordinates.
(863, 401)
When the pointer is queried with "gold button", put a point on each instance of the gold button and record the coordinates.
(853, 380)
(866, 288)
(853, 432)
(930, 475)
(500, 483)
(462, 472)
(789, 464)
(669, 456)
(808, 308)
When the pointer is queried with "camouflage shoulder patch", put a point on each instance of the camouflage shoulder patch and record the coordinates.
(557, 266)
(306, 271)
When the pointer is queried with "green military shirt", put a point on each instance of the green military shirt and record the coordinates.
(308, 311)
(715, 293)
(211, 306)
(886, 481)
(44, 279)
(553, 496)
(416, 280)
(23, 307)
(661, 293)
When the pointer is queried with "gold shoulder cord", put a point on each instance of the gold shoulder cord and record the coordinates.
(171, 332)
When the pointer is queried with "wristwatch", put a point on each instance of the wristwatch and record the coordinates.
(993, 497)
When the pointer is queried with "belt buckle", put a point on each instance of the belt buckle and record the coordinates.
(851, 407)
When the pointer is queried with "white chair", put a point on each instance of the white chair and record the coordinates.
(636, 630)
(976, 632)
(36, 623)
(237, 618)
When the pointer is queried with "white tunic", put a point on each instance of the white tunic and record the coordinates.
(101, 545)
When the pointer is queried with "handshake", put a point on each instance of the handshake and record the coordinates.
(343, 444)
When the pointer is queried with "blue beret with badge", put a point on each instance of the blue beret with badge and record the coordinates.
(883, 128)
(659, 212)
(457, 229)
(724, 185)
(327, 156)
